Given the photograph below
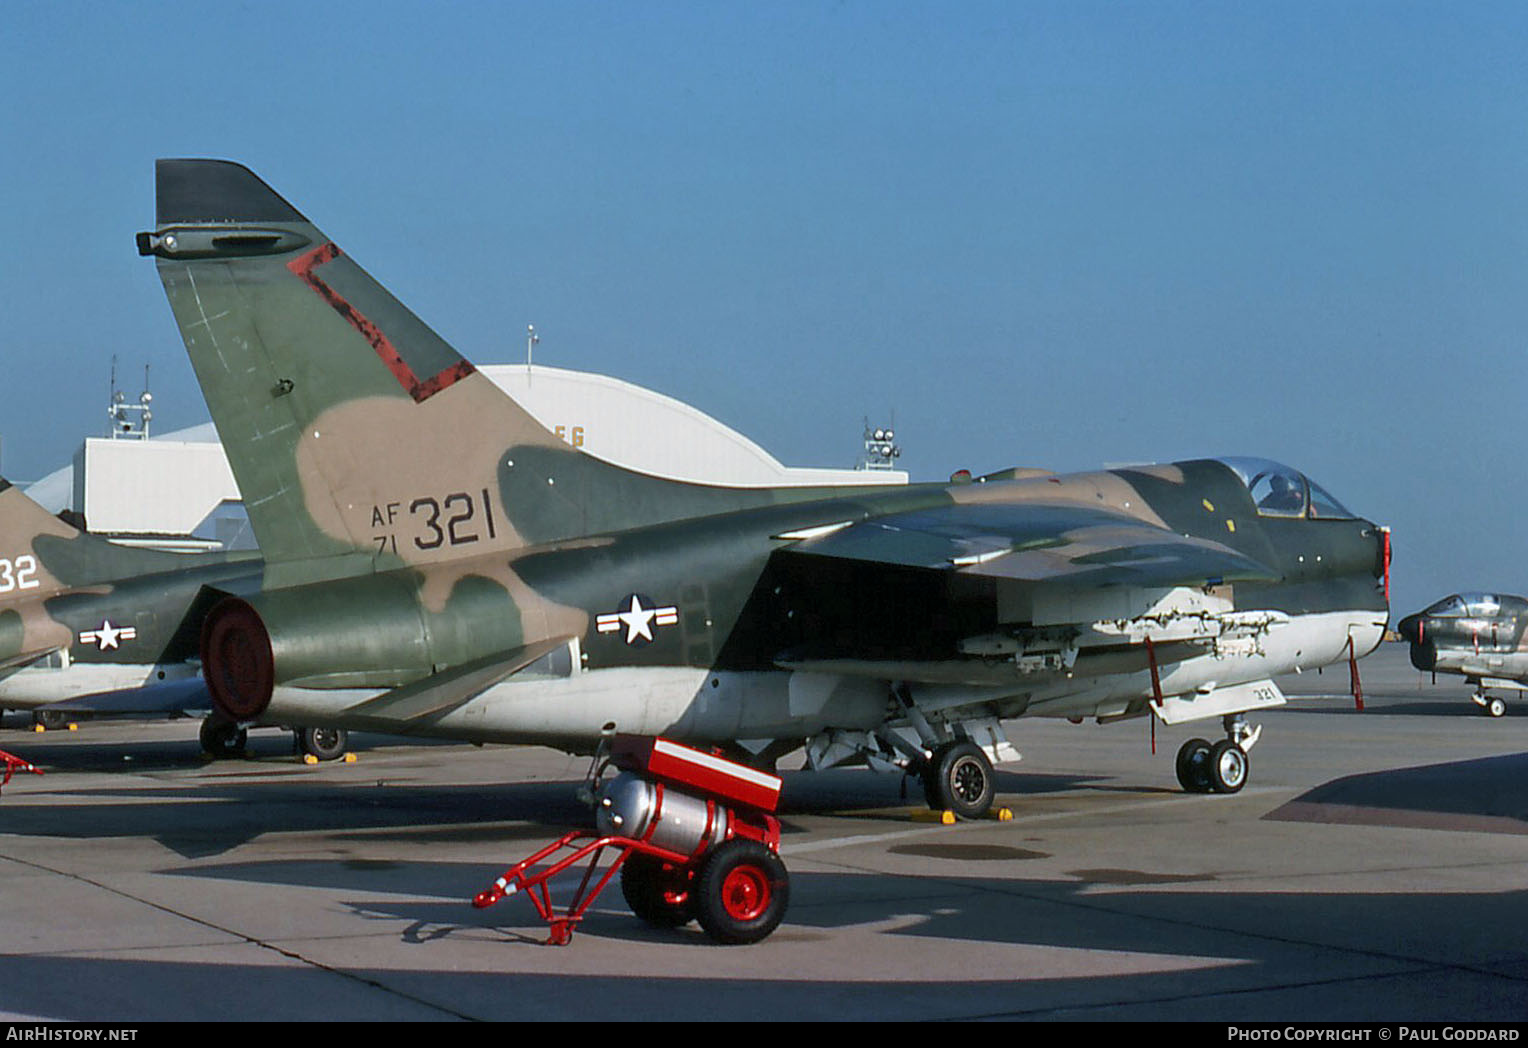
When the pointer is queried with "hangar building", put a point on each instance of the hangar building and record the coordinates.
(176, 491)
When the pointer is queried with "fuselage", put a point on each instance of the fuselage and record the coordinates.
(1476, 635)
(713, 629)
(137, 630)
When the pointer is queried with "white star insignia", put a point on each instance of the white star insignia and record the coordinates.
(638, 620)
(108, 636)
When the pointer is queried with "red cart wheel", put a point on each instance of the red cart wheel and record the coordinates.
(742, 892)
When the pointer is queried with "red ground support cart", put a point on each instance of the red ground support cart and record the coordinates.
(693, 838)
(14, 764)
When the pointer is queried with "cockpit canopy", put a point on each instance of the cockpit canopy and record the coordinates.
(1279, 491)
(1474, 606)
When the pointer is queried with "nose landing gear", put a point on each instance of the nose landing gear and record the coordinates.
(1221, 767)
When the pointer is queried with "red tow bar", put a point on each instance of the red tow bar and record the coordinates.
(13, 764)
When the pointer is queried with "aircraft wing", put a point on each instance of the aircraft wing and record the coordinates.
(448, 689)
(1065, 546)
(23, 659)
(179, 696)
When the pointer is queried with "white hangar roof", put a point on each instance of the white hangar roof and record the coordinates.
(173, 484)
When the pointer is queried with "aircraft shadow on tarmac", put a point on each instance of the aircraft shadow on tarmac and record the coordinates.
(1428, 704)
(84, 751)
(1201, 955)
(209, 818)
(1488, 794)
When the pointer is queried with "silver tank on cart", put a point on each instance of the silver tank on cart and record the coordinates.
(631, 806)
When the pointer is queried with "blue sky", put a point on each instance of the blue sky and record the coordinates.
(1053, 234)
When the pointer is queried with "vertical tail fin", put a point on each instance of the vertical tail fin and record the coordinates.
(355, 432)
(40, 554)
(358, 436)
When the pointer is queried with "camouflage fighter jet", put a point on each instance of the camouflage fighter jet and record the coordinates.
(439, 564)
(1479, 636)
(81, 616)
(88, 626)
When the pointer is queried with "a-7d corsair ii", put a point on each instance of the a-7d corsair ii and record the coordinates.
(438, 563)
(89, 625)
(1480, 637)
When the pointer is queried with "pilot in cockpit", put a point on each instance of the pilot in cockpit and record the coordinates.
(1283, 495)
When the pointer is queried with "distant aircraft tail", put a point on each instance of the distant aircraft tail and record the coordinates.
(357, 435)
(40, 554)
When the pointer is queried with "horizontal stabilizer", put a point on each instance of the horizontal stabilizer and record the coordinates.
(26, 658)
(448, 689)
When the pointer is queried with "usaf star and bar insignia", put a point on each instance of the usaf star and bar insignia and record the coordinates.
(639, 617)
(107, 636)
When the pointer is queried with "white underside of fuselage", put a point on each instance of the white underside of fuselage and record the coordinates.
(688, 703)
(35, 686)
(1482, 664)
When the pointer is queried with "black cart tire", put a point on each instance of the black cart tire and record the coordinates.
(659, 893)
(741, 892)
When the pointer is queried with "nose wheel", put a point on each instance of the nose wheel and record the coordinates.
(1490, 705)
(1220, 767)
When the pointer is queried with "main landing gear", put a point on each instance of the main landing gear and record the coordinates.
(320, 744)
(1220, 767)
(223, 739)
(959, 778)
(50, 720)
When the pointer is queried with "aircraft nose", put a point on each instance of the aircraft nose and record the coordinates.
(1410, 628)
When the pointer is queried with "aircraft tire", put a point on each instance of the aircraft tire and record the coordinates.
(1228, 767)
(659, 893)
(51, 720)
(1193, 766)
(221, 738)
(959, 779)
(741, 892)
(1496, 706)
(325, 744)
